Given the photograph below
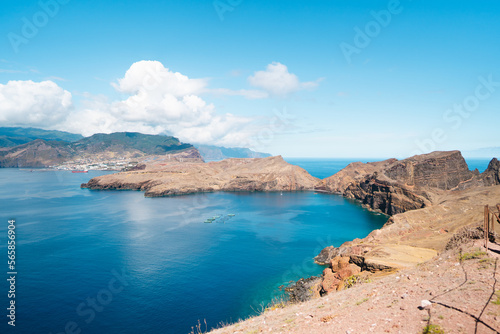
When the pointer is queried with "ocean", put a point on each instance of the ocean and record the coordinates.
(117, 262)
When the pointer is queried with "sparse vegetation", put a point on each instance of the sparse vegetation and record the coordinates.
(497, 301)
(276, 303)
(362, 301)
(198, 328)
(351, 281)
(433, 329)
(477, 254)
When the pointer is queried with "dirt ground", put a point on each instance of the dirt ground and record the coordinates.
(459, 290)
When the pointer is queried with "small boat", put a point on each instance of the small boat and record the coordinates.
(231, 215)
(79, 171)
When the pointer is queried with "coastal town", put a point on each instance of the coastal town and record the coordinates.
(87, 164)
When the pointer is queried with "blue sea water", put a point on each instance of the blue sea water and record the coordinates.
(117, 262)
(479, 164)
(324, 167)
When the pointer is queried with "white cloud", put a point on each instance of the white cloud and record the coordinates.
(251, 94)
(159, 101)
(153, 76)
(28, 103)
(277, 81)
(155, 100)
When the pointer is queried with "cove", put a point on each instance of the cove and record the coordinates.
(178, 269)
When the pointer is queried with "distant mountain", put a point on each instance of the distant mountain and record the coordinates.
(99, 147)
(127, 141)
(486, 152)
(13, 136)
(221, 153)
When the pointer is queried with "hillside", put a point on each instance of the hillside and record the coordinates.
(35, 154)
(122, 142)
(216, 153)
(93, 149)
(13, 136)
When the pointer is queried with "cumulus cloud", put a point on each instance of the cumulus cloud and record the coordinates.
(276, 80)
(155, 100)
(159, 101)
(28, 103)
(153, 76)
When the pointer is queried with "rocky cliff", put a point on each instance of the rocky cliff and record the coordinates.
(265, 174)
(393, 186)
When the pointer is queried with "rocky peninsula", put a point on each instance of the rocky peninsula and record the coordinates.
(164, 178)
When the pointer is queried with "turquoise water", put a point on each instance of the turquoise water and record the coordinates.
(480, 164)
(323, 167)
(117, 262)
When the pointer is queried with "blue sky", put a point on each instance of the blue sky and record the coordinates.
(338, 78)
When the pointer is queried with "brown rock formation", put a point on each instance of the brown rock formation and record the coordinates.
(335, 275)
(265, 174)
(491, 175)
(393, 186)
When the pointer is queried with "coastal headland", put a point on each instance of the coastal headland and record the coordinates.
(163, 178)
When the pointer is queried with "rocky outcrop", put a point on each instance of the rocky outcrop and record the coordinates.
(335, 275)
(393, 186)
(304, 289)
(266, 174)
(441, 170)
(386, 196)
(491, 175)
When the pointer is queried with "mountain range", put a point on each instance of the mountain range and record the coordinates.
(216, 153)
(31, 147)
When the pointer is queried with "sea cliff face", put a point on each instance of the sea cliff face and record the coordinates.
(265, 174)
(393, 186)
